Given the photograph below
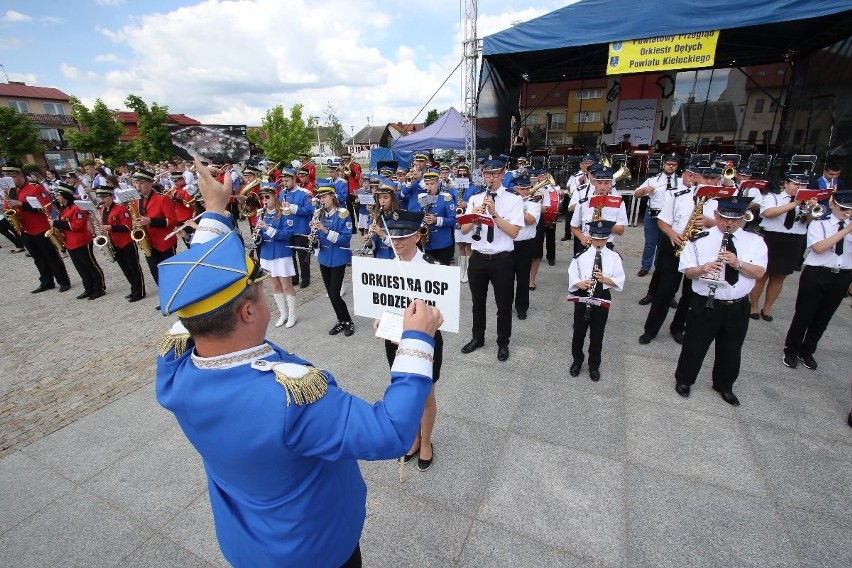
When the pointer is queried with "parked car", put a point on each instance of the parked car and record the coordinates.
(325, 159)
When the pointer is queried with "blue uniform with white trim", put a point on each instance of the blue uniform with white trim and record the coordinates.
(276, 237)
(339, 225)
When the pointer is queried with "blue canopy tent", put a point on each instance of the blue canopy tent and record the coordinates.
(446, 133)
(573, 42)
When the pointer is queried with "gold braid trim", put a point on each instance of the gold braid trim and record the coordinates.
(169, 341)
(306, 389)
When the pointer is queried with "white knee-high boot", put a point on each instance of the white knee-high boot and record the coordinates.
(281, 302)
(291, 306)
(463, 262)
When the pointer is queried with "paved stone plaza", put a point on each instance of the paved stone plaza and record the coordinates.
(532, 467)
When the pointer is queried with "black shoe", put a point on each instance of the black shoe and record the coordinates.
(849, 419)
(338, 327)
(41, 289)
(575, 368)
(682, 389)
(642, 272)
(522, 315)
(754, 316)
(157, 307)
(295, 281)
(502, 352)
(96, 295)
(84, 295)
(565, 239)
(127, 297)
(65, 287)
(766, 317)
(473, 345)
(350, 329)
(422, 464)
(135, 299)
(407, 457)
(728, 397)
(551, 262)
(808, 361)
(304, 283)
(594, 374)
(646, 299)
(677, 336)
(645, 338)
(790, 360)
(673, 304)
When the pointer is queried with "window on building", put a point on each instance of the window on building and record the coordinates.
(752, 136)
(588, 94)
(20, 106)
(54, 108)
(586, 117)
(556, 121)
(49, 134)
(533, 121)
(761, 73)
(758, 105)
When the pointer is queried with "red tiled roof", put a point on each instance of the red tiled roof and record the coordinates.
(131, 128)
(28, 92)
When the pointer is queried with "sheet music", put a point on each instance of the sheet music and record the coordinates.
(6, 182)
(125, 195)
(366, 199)
(35, 203)
(85, 205)
(390, 327)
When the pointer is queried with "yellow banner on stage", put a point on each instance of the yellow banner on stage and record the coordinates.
(679, 51)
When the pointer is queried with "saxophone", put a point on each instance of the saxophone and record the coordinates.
(374, 211)
(54, 234)
(691, 228)
(101, 240)
(138, 234)
(426, 204)
(11, 215)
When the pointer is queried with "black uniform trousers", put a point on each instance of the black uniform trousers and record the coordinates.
(595, 327)
(332, 277)
(568, 216)
(727, 325)
(497, 270)
(442, 255)
(88, 268)
(522, 264)
(668, 280)
(7, 231)
(302, 258)
(820, 293)
(47, 260)
(545, 239)
(128, 260)
(158, 256)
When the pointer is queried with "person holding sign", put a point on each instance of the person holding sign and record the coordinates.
(74, 224)
(276, 255)
(279, 439)
(492, 258)
(591, 276)
(332, 231)
(783, 228)
(403, 228)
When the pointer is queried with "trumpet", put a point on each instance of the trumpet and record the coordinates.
(138, 234)
(808, 212)
(183, 226)
(101, 240)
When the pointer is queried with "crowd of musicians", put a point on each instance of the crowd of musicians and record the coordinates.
(728, 253)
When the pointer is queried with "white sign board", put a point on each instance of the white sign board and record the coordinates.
(636, 118)
(381, 285)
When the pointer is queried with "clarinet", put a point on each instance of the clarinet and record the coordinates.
(598, 265)
(711, 295)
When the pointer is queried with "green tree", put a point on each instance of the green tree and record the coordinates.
(431, 117)
(101, 129)
(154, 142)
(18, 135)
(281, 137)
(335, 129)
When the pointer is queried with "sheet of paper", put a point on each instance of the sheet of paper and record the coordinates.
(34, 203)
(390, 327)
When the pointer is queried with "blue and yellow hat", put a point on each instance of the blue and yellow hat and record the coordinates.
(288, 172)
(207, 276)
(431, 174)
(324, 186)
(421, 156)
(387, 186)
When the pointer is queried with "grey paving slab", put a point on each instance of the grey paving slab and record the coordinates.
(679, 523)
(160, 552)
(693, 444)
(156, 482)
(488, 545)
(77, 529)
(87, 446)
(562, 497)
(820, 539)
(478, 396)
(805, 472)
(193, 530)
(27, 486)
(405, 531)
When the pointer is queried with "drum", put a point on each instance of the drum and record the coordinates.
(552, 210)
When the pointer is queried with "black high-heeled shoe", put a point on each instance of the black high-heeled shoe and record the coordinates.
(423, 465)
(408, 457)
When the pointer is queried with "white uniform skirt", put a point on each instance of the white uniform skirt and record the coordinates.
(460, 238)
(279, 266)
(363, 221)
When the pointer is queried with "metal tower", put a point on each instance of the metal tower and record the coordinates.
(469, 9)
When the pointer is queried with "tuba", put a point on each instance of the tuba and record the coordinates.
(138, 234)
(246, 210)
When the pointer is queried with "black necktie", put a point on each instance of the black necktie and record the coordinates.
(790, 218)
(668, 182)
(732, 276)
(838, 248)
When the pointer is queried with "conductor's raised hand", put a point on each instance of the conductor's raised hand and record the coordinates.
(216, 195)
(420, 316)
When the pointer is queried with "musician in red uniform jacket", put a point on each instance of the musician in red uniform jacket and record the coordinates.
(311, 169)
(117, 223)
(157, 217)
(304, 179)
(74, 224)
(353, 178)
(249, 199)
(184, 205)
(34, 224)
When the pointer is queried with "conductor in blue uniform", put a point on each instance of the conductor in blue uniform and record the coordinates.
(278, 438)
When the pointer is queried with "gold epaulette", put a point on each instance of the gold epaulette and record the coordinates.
(305, 389)
(286, 211)
(176, 338)
(448, 197)
(343, 213)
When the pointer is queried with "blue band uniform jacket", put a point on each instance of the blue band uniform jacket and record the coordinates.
(334, 245)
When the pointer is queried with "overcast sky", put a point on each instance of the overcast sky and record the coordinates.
(227, 62)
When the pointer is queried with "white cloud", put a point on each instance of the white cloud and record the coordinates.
(108, 58)
(11, 42)
(75, 74)
(28, 78)
(51, 20)
(11, 16)
(109, 2)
